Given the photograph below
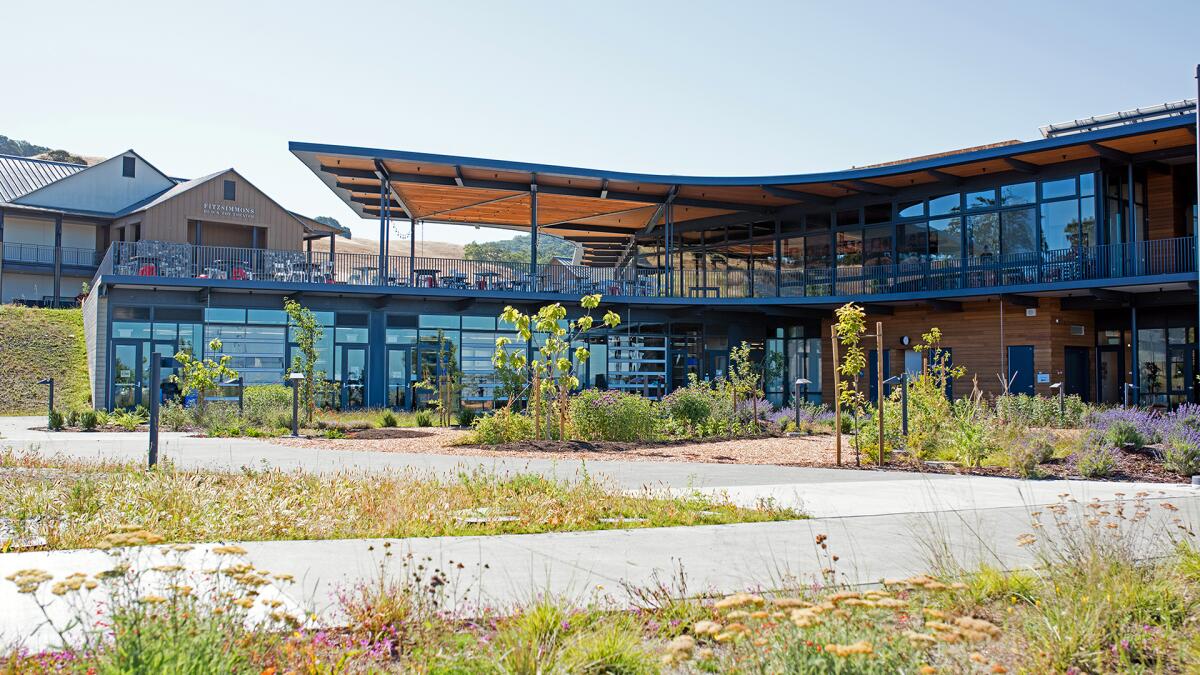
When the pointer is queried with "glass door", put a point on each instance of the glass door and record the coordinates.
(397, 380)
(1110, 374)
(127, 370)
(354, 377)
(1181, 364)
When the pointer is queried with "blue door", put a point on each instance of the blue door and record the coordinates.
(1020, 369)
(873, 378)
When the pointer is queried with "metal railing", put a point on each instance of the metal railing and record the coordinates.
(164, 259)
(43, 254)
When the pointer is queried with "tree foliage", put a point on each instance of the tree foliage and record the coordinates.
(307, 334)
(552, 371)
(203, 376)
(516, 250)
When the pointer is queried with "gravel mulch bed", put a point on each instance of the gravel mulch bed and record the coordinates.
(814, 451)
(794, 451)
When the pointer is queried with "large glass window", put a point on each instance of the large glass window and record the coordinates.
(1060, 225)
(849, 248)
(912, 242)
(1018, 231)
(878, 245)
(1021, 193)
(945, 238)
(945, 205)
(983, 235)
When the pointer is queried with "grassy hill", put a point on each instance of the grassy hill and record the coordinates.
(37, 343)
(425, 249)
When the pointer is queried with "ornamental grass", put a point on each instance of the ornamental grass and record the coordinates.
(76, 504)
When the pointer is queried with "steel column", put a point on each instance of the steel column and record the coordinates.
(412, 251)
(1134, 371)
(385, 201)
(1195, 219)
(779, 257)
(667, 248)
(533, 237)
(57, 260)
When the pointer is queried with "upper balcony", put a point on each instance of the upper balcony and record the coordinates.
(43, 255)
(1144, 262)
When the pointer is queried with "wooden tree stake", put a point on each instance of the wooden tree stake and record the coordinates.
(837, 401)
(879, 382)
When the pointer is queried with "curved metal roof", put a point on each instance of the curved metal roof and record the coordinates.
(599, 207)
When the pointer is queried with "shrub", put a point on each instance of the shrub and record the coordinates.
(971, 432)
(174, 416)
(265, 402)
(388, 419)
(1181, 452)
(334, 433)
(1148, 424)
(691, 405)
(1041, 411)
(54, 420)
(424, 418)
(504, 426)
(129, 420)
(612, 416)
(1028, 451)
(465, 417)
(72, 419)
(1097, 459)
(1122, 433)
(88, 420)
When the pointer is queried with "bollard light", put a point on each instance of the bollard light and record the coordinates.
(294, 380)
(49, 398)
(1062, 401)
(800, 382)
(1129, 387)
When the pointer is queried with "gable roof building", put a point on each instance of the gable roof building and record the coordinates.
(57, 219)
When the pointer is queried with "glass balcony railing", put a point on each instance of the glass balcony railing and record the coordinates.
(1117, 261)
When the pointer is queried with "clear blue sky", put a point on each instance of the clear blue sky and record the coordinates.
(672, 87)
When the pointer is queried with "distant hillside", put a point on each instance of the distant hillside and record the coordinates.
(426, 249)
(12, 146)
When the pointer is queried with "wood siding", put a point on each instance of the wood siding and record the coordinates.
(169, 220)
(973, 336)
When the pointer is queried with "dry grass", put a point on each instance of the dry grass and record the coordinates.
(37, 343)
(76, 504)
(1098, 599)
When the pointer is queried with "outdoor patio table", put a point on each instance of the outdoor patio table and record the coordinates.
(486, 280)
(364, 274)
(426, 276)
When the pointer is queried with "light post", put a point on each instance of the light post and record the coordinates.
(1062, 401)
(157, 363)
(800, 395)
(294, 380)
(49, 398)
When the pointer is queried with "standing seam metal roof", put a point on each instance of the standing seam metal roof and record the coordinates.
(22, 175)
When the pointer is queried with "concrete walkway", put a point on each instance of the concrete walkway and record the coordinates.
(881, 524)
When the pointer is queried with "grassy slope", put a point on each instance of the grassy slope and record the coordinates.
(37, 343)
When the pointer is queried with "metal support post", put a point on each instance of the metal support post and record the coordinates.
(155, 394)
(533, 237)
